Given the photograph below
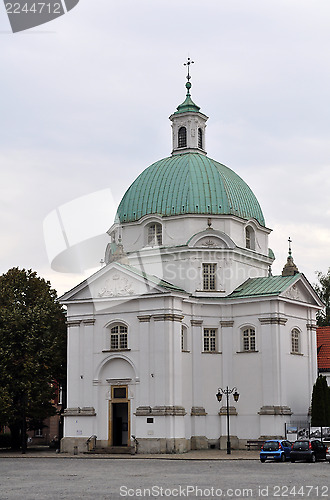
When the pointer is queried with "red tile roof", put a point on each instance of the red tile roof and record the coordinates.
(323, 348)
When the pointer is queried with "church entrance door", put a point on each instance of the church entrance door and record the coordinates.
(119, 413)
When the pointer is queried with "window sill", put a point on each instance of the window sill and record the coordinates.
(115, 350)
(184, 350)
(209, 293)
(211, 352)
(245, 352)
(297, 353)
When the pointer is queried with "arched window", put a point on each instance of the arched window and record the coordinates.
(249, 238)
(118, 337)
(295, 341)
(249, 339)
(184, 338)
(155, 234)
(200, 138)
(182, 137)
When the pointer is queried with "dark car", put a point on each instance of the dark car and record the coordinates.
(275, 450)
(309, 450)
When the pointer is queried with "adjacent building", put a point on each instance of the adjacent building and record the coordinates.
(323, 352)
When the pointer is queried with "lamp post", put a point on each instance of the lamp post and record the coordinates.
(218, 395)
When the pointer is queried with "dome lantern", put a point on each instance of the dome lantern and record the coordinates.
(188, 124)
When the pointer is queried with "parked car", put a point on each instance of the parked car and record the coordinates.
(275, 450)
(309, 450)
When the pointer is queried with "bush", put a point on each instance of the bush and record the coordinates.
(5, 440)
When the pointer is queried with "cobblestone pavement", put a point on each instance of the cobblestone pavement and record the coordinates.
(191, 455)
(44, 476)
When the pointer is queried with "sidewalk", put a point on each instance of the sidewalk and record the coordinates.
(44, 452)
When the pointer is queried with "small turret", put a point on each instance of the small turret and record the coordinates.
(290, 268)
(188, 124)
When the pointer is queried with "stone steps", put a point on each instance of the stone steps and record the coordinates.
(110, 450)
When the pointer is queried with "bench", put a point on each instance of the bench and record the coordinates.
(255, 443)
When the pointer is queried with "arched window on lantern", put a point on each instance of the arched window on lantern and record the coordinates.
(200, 138)
(182, 137)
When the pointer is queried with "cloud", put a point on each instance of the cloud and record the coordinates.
(86, 100)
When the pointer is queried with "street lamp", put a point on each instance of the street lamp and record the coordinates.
(218, 395)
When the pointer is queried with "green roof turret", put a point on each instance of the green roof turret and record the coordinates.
(188, 104)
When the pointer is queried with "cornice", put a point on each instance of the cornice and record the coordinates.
(273, 320)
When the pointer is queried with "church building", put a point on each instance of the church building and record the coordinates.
(186, 308)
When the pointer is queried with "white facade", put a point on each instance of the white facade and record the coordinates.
(154, 333)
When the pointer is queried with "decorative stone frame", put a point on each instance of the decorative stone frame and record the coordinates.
(146, 227)
(293, 349)
(241, 330)
(107, 335)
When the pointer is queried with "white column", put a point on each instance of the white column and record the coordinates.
(73, 364)
(196, 347)
(89, 397)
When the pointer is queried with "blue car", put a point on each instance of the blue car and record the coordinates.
(278, 450)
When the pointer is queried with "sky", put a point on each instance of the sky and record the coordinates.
(85, 101)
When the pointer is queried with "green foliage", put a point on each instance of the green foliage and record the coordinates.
(32, 347)
(323, 290)
(5, 440)
(320, 403)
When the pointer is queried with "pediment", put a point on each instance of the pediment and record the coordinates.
(211, 242)
(114, 282)
(302, 291)
(211, 238)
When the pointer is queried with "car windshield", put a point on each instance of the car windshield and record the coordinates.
(271, 446)
(301, 445)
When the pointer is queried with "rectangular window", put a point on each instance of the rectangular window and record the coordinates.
(119, 393)
(210, 340)
(209, 273)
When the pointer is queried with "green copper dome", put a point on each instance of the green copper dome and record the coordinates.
(189, 183)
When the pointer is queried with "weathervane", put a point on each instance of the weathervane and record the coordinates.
(188, 63)
(290, 241)
(188, 84)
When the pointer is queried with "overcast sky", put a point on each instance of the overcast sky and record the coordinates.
(85, 102)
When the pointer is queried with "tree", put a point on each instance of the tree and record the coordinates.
(323, 290)
(32, 350)
(320, 403)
